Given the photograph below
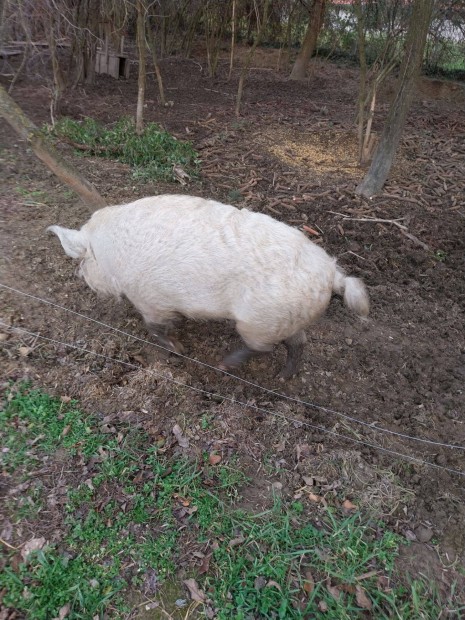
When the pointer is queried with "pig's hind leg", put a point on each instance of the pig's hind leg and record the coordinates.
(255, 345)
(259, 343)
(163, 337)
(160, 326)
(295, 348)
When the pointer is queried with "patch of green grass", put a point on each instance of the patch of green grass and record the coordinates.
(152, 154)
(51, 580)
(34, 424)
(137, 510)
(440, 256)
(235, 195)
(32, 196)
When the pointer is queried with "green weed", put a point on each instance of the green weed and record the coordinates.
(151, 155)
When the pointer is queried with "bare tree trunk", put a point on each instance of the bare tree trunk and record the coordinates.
(315, 22)
(214, 20)
(395, 122)
(153, 48)
(363, 75)
(26, 129)
(156, 66)
(233, 38)
(3, 8)
(288, 43)
(58, 79)
(83, 53)
(248, 62)
(142, 56)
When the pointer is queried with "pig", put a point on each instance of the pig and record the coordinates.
(173, 255)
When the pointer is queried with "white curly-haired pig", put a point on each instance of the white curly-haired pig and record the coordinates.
(183, 255)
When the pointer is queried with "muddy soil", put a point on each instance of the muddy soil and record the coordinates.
(292, 154)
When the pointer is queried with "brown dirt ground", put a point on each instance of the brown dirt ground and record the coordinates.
(291, 154)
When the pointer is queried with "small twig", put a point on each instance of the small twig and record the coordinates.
(86, 147)
(353, 254)
(192, 607)
(404, 198)
(9, 546)
(373, 219)
(415, 240)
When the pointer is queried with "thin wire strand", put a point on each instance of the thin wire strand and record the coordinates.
(372, 426)
(241, 403)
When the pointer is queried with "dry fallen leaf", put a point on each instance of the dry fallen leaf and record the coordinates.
(7, 532)
(35, 544)
(383, 583)
(236, 541)
(182, 441)
(370, 573)
(280, 446)
(317, 498)
(142, 361)
(347, 506)
(194, 591)
(65, 399)
(302, 451)
(259, 583)
(322, 606)
(24, 351)
(334, 591)
(203, 568)
(214, 459)
(273, 584)
(66, 430)
(182, 500)
(362, 599)
(309, 583)
(64, 611)
(3, 337)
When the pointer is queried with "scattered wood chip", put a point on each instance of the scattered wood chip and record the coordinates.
(312, 231)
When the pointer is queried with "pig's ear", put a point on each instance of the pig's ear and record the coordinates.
(74, 242)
